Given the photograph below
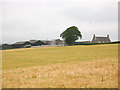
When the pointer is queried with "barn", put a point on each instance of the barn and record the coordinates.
(5, 46)
(58, 42)
(36, 42)
(21, 44)
(54, 42)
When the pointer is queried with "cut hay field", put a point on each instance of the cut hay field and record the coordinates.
(93, 66)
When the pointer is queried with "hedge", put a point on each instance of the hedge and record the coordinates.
(78, 43)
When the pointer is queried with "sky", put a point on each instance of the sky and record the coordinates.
(22, 20)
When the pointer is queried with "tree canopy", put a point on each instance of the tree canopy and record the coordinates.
(71, 34)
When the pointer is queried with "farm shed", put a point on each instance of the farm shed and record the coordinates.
(58, 42)
(36, 42)
(46, 42)
(5, 46)
(55, 42)
(22, 44)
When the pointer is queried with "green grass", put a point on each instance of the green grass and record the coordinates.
(17, 58)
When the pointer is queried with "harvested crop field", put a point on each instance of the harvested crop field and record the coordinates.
(94, 66)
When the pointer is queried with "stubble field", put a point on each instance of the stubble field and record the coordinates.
(93, 66)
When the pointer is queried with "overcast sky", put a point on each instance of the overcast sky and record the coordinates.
(47, 19)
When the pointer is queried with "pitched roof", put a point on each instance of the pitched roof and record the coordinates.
(101, 38)
(33, 41)
(46, 41)
(19, 43)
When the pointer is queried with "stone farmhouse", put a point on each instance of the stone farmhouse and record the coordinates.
(100, 39)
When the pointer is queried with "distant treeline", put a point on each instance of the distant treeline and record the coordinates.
(79, 43)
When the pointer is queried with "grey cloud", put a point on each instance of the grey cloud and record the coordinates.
(46, 20)
(105, 14)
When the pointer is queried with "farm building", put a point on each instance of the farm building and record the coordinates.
(47, 42)
(55, 42)
(22, 44)
(100, 39)
(36, 42)
(5, 46)
(58, 42)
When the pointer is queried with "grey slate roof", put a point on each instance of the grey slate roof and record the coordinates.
(33, 41)
(46, 41)
(22, 42)
(101, 39)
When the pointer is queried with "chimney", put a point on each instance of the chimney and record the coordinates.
(107, 35)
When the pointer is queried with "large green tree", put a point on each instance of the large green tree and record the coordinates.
(71, 34)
